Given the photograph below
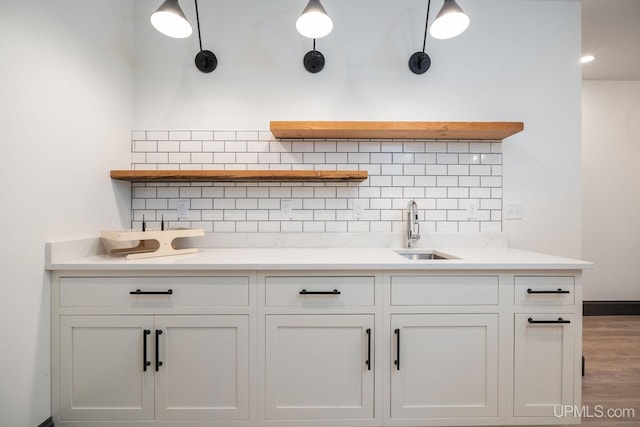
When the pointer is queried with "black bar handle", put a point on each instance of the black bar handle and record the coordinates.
(140, 292)
(558, 291)
(560, 320)
(158, 362)
(145, 362)
(306, 292)
(368, 362)
(397, 361)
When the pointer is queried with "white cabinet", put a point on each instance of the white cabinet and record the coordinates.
(319, 367)
(444, 349)
(205, 367)
(102, 370)
(117, 368)
(319, 349)
(544, 363)
(315, 348)
(547, 348)
(148, 349)
(445, 366)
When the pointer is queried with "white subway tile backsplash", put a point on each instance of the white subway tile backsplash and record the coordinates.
(145, 146)
(491, 159)
(458, 147)
(157, 135)
(235, 146)
(202, 135)
(436, 147)
(447, 181)
(369, 147)
(469, 159)
(400, 158)
(247, 135)
(441, 176)
(220, 135)
(168, 146)
(140, 135)
(413, 147)
(447, 158)
(213, 146)
(480, 147)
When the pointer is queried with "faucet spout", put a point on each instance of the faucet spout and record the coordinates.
(413, 226)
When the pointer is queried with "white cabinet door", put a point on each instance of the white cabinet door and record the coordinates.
(444, 366)
(319, 367)
(205, 367)
(544, 365)
(102, 369)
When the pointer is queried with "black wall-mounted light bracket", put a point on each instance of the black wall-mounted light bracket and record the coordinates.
(206, 60)
(420, 62)
(313, 61)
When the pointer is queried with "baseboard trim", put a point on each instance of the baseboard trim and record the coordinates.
(47, 423)
(611, 308)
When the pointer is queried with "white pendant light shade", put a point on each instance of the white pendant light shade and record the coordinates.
(450, 22)
(314, 22)
(170, 20)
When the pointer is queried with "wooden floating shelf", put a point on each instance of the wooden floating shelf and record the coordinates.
(396, 130)
(238, 175)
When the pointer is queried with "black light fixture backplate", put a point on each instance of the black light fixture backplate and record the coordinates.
(313, 61)
(419, 62)
(206, 61)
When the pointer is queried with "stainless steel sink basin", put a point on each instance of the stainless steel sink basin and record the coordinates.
(422, 255)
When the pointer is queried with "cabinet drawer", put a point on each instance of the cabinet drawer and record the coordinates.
(444, 290)
(319, 291)
(544, 290)
(165, 291)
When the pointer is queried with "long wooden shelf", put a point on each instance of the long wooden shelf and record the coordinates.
(237, 175)
(392, 130)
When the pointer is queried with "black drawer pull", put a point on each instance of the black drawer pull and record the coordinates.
(306, 292)
(158, 362)
(368, 361)
(558, 291)
(560, 320)
(397, 361)
(139, 292)
(145, 362)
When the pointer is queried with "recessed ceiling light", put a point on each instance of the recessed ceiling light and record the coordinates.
(587, 58)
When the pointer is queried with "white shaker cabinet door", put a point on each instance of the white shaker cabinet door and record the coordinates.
(103, 374)
(204, 371)
(444, 366)
(319, 367)
(544, 365)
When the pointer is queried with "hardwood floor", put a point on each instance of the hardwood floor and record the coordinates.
(611, 347)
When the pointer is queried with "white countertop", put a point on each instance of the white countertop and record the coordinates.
(325, 259)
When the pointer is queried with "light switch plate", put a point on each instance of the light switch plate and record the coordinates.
(358, 209)
(513, 210)
(182, 207)
(285, 208)
(472, 209)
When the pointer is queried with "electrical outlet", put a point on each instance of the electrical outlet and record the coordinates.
(285, 209)
(472, 209)
(182, 206)
(513, 210)
(358, 209)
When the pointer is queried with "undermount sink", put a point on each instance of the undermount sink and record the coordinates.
(422, 255)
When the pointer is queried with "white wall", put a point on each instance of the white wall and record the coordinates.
(611, 201)
(65, 116)
(502, 69)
